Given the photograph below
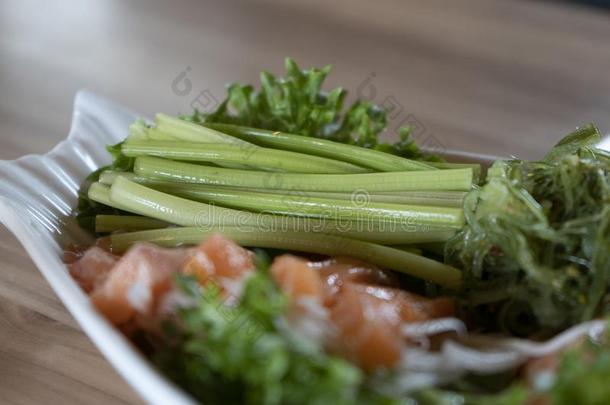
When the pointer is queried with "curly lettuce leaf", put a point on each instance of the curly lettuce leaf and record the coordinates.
(297, 104)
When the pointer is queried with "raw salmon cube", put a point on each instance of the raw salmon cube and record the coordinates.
(369, 319)
(140, 277)
(338, 271)
(417, 309)
(369, 328)
(411, 307)
(200, 266)
(296, 278)
(92, 268)
(229, 260)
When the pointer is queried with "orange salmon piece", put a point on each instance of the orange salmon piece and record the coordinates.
(296, 278)
(92, 268)
(412, 307)
(338, 271)
(199, 266)
(226, 258)
(139, 278)
(369, 328)
(369, 319)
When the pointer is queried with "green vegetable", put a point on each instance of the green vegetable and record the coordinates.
(240, 355)
(107, 177)
(87, 208)
(141, 200)
(381, 234)
(453, 199)
(343, 210)
(112, 223)
(535, 248)
(263, 158)
(332, 245)
(170, 128)
(371, 158)
(587, 136)
(433, 180)
(515, 395)
(168, 208)
(476, 168)
(100, 193)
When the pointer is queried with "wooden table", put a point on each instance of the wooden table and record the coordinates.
(498, 77)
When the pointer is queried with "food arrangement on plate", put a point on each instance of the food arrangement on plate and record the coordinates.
(276, 251)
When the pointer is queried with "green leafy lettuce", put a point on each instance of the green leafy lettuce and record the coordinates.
(297, 104)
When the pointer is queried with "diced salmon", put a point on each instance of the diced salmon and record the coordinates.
(366, 309)
(222, 262)
(199, 266)
(142, 275)
(92, 268)
(304, 286)
(369, 328)
(412, 307)
(297, 278)
(338, 271)
(369, 319)
(226, 258)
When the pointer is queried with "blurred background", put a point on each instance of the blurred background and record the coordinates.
(498, 77)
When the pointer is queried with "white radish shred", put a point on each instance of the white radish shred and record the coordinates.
(434, 326)
(172, 301)
(139, 294)
(479, 354)
(309, 321)
(234, 288)
(537, 349)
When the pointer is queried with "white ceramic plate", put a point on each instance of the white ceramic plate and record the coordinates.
(37, 196)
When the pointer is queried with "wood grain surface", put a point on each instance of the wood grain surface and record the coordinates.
(499, 77)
